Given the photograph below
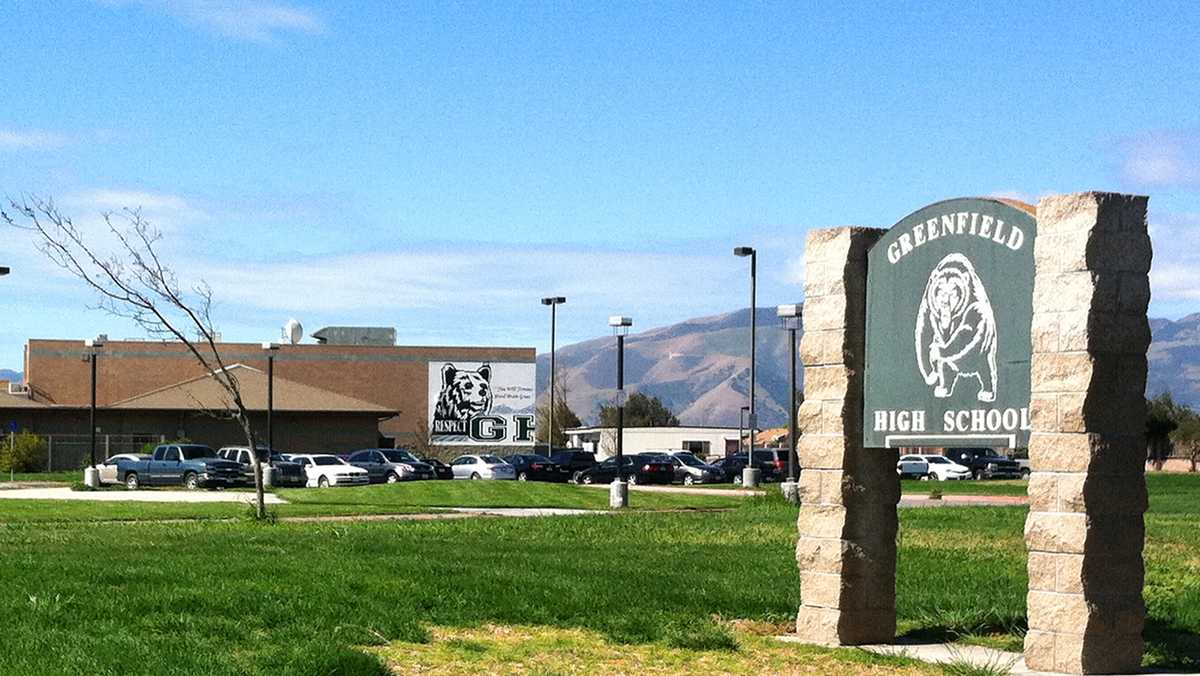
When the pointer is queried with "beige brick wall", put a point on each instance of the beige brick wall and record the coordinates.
(1087, 451)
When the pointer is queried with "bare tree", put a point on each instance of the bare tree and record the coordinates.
(136, 284)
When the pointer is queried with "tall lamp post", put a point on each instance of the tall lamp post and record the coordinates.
(91, 475)
(618, 492)
(268, 471)
(553, 302)
(751, 475)
(742, 426)
(791, 315)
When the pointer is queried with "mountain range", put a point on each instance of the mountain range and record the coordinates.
(700, 368)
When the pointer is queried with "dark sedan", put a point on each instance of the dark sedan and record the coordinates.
(636, 469)
(767, 462)
(533, 467)
(440, 469)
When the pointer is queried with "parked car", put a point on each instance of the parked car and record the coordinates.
(766, 461)
(287, 472)
(636, 469)
(391, 465)
(912, 467)
(322, 470)
(108, 468)
(574, 460)
(942, 468)
(533, 467)
(440, 469)
(691, 470)
(189, 465)
(482, 467)
(985, 463)
(1021, 457)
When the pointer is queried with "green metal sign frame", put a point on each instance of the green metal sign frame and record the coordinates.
(949, 308)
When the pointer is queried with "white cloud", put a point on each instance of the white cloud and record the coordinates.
(1175, 272)
(252, 20)
(1162, 158)
(165, 211)
(30, 139)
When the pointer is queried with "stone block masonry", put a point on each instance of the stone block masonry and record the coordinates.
(1087, 450)
(847, 527)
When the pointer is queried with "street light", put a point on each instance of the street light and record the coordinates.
(791, 316)
(3, 270)
(268, 474)
(91, 475)
(742, 426)
(750, 475)
(618, 493)
(553, 302)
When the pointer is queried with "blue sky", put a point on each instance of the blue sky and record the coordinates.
(439, 167)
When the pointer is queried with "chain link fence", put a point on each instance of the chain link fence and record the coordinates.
(63, 452)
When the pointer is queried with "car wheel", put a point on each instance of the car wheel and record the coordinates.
(522, 477)
(924, 477)
(1025, 474)
(132, 482)
(323, 482)
(587, 480)
(191, 481)
(978, 474)
(688, 480)
(632, 479)
(475, 476)
(737, 480)
(392, 478)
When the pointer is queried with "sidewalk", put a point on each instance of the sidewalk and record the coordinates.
(136, 496)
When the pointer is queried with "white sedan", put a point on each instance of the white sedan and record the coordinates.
(108, 468)
(324, 470)
(482, 467)
(945, 469)
(912, 467)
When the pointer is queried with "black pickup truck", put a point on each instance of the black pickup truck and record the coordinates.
(985, 463)
(189, 465)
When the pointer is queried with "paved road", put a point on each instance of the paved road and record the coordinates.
(135, 496)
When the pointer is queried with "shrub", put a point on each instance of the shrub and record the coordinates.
(24, 452)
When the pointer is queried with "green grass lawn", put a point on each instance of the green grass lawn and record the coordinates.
(404, 498)
(65, 477)
(993, 487)
(304, 598)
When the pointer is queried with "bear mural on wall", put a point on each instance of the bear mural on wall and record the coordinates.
(955, 336)
(464, 394)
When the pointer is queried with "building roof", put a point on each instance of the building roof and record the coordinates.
(677, 428)
(18, 401)
(204, 392)
(771, 436)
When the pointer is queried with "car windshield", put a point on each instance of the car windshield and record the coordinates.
(278, 457)
(194, 452)
(327, 460)
(937, 460)
(399, 456)
(535, 458)
(689, 460)
(492, 460)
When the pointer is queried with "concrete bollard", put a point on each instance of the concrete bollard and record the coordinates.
(791, 491)
(618, 495)
(91, 477)
(751, 476)
(268, 473)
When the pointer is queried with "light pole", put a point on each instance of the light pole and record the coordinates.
(553, 302)
(750, 475)
(3, 270)
(268, 473)
(791, 315)
(618, 492)
(742, 426)
(91, 475)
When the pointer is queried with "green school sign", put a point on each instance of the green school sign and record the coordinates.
(949, 307)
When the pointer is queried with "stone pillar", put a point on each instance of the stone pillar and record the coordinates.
(1087, 451)
(847, 525)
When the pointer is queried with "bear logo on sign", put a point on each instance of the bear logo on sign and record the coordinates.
(955, 335)
(464, 393)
